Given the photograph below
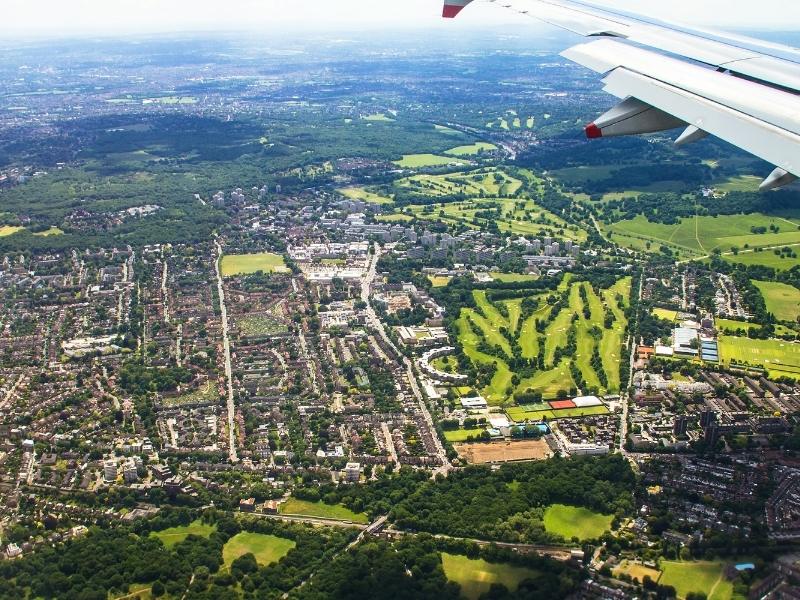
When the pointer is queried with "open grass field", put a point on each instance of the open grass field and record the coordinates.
(778, 357)
(419, 161)
(728, 325)
(471, 150)
(497, 452)
(174, 535)
(49, 232)
(637, 571)
(766, 258)
(573, 521)
(294, 506)
(394, 218)
(476, 576)
(700, 576)
(699, 236)
(245, 264)
(9, 230)
(439, 281)
(361, 193)
(555, 377)
(741, 183)
(782, 300)
(512, 277)
(667, 315)
(266, 548)
(488, 182)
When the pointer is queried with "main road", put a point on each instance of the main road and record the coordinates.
(226, 346)
(374, 320)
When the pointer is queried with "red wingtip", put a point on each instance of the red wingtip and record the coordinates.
(593, 131)
(451, 10)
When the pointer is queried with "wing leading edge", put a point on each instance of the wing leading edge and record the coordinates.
(745, 91)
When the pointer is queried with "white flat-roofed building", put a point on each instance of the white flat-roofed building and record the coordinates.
(476, 403)
(587, 401)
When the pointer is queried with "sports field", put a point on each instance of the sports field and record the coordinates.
(475, 576)
(472, 149)
(778, 357)
(337, 512)
(766, 258)
(728, 325)
(522, 413)
(418, 161)
(461, 435)
(361, 193)
(782, 300)
(496, 452)
(706, 577)
(574, 521)
(174, 535)
(245, 264)
(266, 548)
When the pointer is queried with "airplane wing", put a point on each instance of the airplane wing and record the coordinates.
(742, 90)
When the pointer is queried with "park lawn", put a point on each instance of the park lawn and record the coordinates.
(574, 521)
(417, 161)
(361, 193)
(782, 300)
(472, 149)
(245, 264)
(9, 230)
(174, 535)
(666, 314)
(778, 357)
(700, 576)
(461, 435)
(266, 548)
(476, 576)
(701, 235)
(337, 512)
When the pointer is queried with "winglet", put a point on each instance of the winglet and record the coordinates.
(453, 7)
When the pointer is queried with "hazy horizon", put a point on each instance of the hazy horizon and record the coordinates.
(53, 19)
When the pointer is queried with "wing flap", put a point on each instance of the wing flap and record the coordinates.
(772, 143)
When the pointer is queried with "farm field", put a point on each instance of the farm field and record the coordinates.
(481, 327)
(294, 506)
(418, 161)
(266, 548)
(361, 193)
(701, 576)
(476, 576)
(174, 535)
(471, 150)
(782, 300)
(494, 452)
(573, 521)
(245, 264)
(778, 357)
(698, 236)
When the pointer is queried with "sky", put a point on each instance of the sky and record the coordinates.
(69, 17)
